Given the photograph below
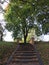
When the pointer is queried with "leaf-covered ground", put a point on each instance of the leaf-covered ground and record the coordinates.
(43, 48)
(6, 49)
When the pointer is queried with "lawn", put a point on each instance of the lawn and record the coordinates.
(43, 48)
(6, 49)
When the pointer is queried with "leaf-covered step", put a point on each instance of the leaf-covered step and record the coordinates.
(25, 49)
(23, 63)
(25, 54)
(25, 60)
(25, 57)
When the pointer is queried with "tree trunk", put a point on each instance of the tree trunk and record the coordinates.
(1, 39)
(25, 39)
(25, 31)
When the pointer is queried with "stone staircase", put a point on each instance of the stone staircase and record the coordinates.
(24, 55)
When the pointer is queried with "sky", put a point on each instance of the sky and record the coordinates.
(8, 36)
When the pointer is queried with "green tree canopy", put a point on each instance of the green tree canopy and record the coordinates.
(21, 14)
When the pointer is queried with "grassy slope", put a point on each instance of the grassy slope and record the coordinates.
(43, 48)
(6, 49)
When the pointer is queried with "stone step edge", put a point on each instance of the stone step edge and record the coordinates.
(25, 51)
(24, 56)
(25, 60)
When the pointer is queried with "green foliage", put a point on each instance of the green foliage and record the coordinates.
(19, 17)
(43, 19)
(38, 31)
(21, 14)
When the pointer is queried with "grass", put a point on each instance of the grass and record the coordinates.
(6, 49)
(43, 48)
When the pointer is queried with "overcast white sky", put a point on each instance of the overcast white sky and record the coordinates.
(8, 36)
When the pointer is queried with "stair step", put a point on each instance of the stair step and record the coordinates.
(25, 57)
(25, 60)
(21, 63)
(25, 52)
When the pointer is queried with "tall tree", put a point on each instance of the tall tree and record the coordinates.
(20, 15)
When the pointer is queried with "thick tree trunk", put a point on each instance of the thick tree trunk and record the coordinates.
(25, 39)
(25, 32)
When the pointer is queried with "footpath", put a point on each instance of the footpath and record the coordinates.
(25, 54)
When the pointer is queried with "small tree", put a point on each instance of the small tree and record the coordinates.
(1, 32)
